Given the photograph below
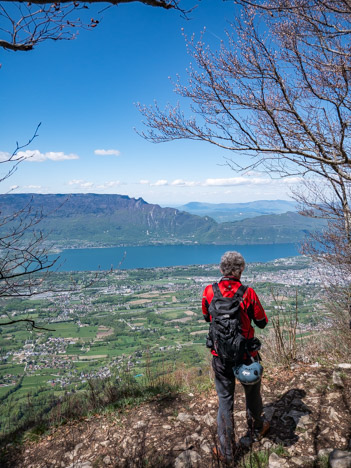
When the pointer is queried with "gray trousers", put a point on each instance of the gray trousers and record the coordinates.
(225, 386)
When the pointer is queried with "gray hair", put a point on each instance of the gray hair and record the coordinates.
(232, 263)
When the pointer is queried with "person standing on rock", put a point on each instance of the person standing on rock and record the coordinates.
(230, 307)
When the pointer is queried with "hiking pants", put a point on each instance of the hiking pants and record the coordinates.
(225, 386)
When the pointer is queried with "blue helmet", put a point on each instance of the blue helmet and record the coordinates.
(248, 374)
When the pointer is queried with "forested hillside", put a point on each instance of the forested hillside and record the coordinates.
(120, 220)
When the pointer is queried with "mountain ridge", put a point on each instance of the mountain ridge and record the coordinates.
(224, 212)
(112, 220)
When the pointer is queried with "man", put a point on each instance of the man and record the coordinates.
(231, 266)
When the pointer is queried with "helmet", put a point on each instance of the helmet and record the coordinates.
(248, 374)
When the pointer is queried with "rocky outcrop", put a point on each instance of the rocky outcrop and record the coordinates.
(340, 459)
(308, 411)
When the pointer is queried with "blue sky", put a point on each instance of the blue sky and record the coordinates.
(84, 93)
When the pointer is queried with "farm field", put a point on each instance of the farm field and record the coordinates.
(104, 326)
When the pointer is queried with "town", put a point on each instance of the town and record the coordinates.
(104, 325)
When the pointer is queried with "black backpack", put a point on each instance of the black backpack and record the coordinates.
(225, 328)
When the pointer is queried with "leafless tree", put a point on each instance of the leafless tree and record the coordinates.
(25, 24)
(276, 91)
(277, 94)
(23, 253)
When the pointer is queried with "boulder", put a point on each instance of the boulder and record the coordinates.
(277, 462)
(324, 452)
(302, 461)
(337, 381)
(187, 459)
(340, 459)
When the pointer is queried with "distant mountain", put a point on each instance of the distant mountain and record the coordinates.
(109, 219)
(266, 229)
(224, 212)
(100, 220)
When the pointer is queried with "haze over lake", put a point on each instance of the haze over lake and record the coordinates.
(166, 255)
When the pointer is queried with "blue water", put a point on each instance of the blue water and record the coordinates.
(165, 255)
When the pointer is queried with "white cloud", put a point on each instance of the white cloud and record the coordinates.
(292, 180)
(14, 187)
(160, 183)
(230, 182)
(235, 181)
(81, 183)
(33, 187)
(184, 183)
(75, 182)
(144, 182)
(109, 152)
(4, 156)
(37, 156)
(112, 183)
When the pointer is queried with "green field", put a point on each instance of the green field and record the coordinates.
(124, 320)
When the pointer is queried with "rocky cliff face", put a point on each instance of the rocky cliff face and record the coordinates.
(109, 219)
(308, 408)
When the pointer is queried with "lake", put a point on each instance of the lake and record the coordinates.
(166, 255)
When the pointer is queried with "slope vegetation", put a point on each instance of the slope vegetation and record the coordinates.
(120, 220)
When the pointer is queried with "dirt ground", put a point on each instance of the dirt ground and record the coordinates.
(308, 409)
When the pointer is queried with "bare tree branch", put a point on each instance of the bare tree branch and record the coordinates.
(26, 24)
(277, 94)
(29, 321)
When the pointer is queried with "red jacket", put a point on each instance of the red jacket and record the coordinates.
(251, 306)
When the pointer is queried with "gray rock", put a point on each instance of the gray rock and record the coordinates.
(107, 460)
(209, 420)
(187, 459)
(180, 447)
(76, 449)
(127, 443)
(324, 452)
(303, 461)
(184, 417)
(205, 447)
(344, 365)
(139, 425)
(267, 444)
(276, 462)
(69, 455)
(305, 419)
(195, 436)
(85, 464)
(340, 459)
(333, 414)
(337, 381)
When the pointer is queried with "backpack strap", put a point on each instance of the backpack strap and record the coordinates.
(241, 290)
(216, 290)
